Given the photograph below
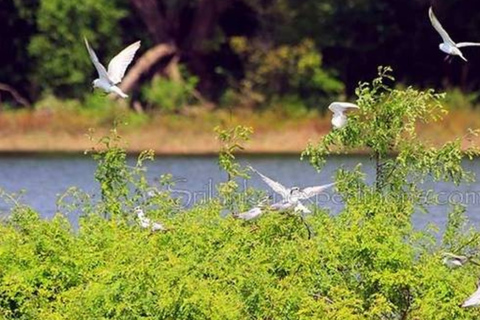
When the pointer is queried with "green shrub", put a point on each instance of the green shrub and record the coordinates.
(169, 95)
(367, 262)
(458, 100)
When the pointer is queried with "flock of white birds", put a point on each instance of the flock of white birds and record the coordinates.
(108, 79)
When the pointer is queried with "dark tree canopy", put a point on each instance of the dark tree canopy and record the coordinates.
(41, 51)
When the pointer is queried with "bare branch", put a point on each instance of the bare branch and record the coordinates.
(18, 98)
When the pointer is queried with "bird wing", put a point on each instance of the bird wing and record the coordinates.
(277, 187)
(473, 300)
(102, 73)
(340, 107)
(118, 65)
(250, 214)
(436, 24)
(313, 191)
(467, 44)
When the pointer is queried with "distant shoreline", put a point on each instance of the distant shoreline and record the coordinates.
(66, 132)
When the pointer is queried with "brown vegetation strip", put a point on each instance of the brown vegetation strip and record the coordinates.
(32, 132)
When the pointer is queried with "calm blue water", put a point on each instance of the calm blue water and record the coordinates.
(44, 178)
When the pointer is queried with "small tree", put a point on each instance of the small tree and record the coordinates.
(232, 141)
(385, 126)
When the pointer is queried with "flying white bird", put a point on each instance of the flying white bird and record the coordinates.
(339, 119)
(291, 196)
(448, 45)
(107, 80)
(474, 299)
(145, 222)
(253, 213)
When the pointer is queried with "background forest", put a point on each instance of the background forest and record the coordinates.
(232, 52)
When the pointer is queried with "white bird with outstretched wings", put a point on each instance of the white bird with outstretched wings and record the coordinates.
(291, 196)
(107, 80)
(448, 45)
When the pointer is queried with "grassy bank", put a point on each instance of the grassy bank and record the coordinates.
(68, 129)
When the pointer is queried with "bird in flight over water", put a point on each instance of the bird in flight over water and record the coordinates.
(448, 45)
(107, 80)
(339, 118)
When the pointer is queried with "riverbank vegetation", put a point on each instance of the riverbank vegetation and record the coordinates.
(62, 126)
(367, 262)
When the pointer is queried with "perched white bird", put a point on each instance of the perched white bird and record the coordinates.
(339, 119)
(107, 80)
(453, 261)
(253, 213)
(448, 45)
(145, 222)
(291, 196)
(250, 214)
(474, 299)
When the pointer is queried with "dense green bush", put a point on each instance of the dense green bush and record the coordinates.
(170, 95)
(368, 262)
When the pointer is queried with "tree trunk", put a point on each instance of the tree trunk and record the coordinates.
(204, 23)
(199, 45)
(194, 39)
(154, 18)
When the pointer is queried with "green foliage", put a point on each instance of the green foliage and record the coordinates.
(286, 70)
(232, 141)
(367, 262)
(61, 62)
(169, 95)
(386, 124)
(122, 186)
(458, 100)
(356, 267)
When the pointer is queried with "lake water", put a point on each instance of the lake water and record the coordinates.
(44, 177)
